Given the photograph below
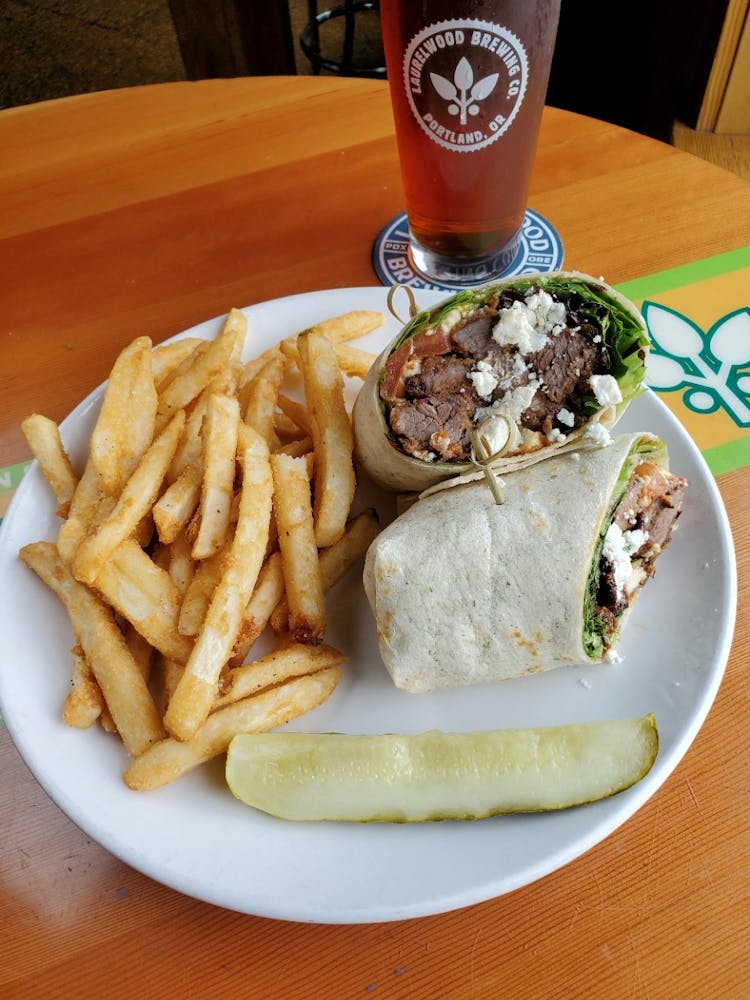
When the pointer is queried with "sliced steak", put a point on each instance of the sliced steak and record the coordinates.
(652, 502)
(566, 361)
(440, 375)
(508, 365)
(564, 366)
(440, 425)
(659, 519)
(474, 335)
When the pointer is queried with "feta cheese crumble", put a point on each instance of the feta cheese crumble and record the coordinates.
(484, 379)
(619, 548)
(514, 328)
(566, 417)
(598, 435)
(606, 390)
(548, 314)
(528, 324)
(513, 403)
(516, 372)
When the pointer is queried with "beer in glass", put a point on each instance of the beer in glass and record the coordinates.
(468, 79)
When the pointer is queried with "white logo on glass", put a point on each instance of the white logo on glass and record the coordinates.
(465, 82)
(463, 93)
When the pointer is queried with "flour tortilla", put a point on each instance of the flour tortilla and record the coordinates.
(394, 470)
(465, 591)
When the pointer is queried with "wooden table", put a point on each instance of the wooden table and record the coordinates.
(148, 210)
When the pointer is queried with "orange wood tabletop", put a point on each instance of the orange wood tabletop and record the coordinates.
(148, 210)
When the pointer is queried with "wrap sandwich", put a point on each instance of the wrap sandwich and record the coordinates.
(510, 372)
(464, 590)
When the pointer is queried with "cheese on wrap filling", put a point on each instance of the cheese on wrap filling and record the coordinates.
(465, 591)
(545, 354)
(639, 529)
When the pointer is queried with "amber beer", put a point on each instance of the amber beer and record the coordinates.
(468, 82)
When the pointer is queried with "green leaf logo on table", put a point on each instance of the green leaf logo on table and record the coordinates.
(710, 368)
(521, 381)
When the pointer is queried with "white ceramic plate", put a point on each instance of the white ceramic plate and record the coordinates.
(195, 837)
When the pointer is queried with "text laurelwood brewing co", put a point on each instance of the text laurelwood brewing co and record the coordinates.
(465, 82)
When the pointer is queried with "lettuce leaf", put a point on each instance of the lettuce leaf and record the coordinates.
(623, 333)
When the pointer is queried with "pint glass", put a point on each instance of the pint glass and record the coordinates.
(468, 79)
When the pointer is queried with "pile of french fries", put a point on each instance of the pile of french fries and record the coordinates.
(213, 508)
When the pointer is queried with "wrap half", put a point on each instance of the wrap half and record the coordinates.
(465, 591)
(508, 373)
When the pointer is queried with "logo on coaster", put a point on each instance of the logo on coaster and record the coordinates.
(540, 249)
(465, 82)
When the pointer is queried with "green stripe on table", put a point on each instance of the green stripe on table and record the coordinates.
(685, 274)
(727, 457)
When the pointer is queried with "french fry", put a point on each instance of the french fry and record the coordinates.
(298, 449)
(125, 426)
(196, 690)
(251, 369)
(43, 437)
(285, 428)
(184, 388)
(299, 553)
(331, 434)
(144, 530)
(134, 502)
(268, 592)
(167, 358)
(132, 584)
(260, 399)
(288, 348)
(220, 432)
(353, 361)
(296, 412)
(359, 534)
(85, 506)
(107, 722)
(141, 648)
(350, 325)
(198, 593)
(116, 672)
(84, 702)
(180, 565)
(190, 449)
(177, 504)
(171, 758)
(333, 562)
(178, 370)
(295, 660)
(172, 671)
(181, 569)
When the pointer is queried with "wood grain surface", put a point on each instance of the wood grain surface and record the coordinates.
(146, 211)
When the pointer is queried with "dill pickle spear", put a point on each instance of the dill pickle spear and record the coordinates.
(437, 775)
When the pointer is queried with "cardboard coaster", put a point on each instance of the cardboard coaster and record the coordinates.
(540, 249)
